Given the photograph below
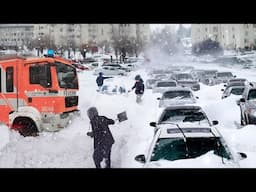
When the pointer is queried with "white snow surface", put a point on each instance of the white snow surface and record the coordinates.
(72, 148)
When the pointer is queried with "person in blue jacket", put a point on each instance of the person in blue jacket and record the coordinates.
(100, 80)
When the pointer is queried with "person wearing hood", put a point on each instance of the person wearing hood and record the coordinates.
(139, 88)
(100, 80)
(103, 138)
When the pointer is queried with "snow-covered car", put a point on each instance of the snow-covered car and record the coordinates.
(150, 83)
(182, 76)
(247, 105)
(113, 89)
(192, 84)
(184, 114)
(110, 69)
(80, 67)
(177, 96)
(189, 147)
(162, 86)
(207, 77)
(223, 77)
(236, 80)
(232, 90)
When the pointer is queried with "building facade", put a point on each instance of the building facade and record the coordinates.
(69, 34)
(230, 36)
(15, 35)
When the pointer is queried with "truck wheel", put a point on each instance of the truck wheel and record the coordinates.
(26, 127)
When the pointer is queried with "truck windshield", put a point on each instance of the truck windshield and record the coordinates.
(67, 76)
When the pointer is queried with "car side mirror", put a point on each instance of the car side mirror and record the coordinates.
(222, 89)
(242, 100)
(225, 85)
(238, 102)
(140, 158)
(197, 97)
(215, 122)
(234, 76)
(241, 155)
(214, 77)
(158, 98)
(152, 124)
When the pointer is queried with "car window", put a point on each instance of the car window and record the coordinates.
(252, 94)
(227, 74)
(174, 94)
(237, 91)
(172, 149)
(166, 84)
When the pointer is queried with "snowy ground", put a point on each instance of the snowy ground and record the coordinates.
(72, 148)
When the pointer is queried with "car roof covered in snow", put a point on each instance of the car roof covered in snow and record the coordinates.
(172, 89)
(172, 131)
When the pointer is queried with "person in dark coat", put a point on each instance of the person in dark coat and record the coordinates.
(103, 139)
(139, 88)
(100, 80)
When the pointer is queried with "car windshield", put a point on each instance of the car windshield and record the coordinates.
(187, 82)
(252, 94)
(151, 81)
(172, 149)
(237, 91)
(174, 94)
(226, 74)
(67, 76)
(166, 84)
(184, 76)
(182, 115)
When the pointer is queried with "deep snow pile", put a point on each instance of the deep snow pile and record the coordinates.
(71, 147)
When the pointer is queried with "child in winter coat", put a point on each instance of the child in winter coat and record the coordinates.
(139, 88)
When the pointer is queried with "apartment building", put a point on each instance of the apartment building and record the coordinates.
(230, 36)
(16, 35)
(69, 34)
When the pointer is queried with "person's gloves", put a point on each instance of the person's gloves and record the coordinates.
(90, 134)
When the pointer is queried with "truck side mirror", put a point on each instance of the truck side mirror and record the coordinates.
(225, 85)
(215, 122)
(222, 89)
(158, 98)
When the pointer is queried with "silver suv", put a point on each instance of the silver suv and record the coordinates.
(248, 105)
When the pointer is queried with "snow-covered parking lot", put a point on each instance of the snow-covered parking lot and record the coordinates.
(72, 148)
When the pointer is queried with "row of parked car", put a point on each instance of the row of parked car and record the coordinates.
(183, 130)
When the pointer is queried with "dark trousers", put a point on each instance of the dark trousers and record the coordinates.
(102, 155)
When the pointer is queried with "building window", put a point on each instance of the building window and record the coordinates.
(255, 41)
(254, 25)
(206, 29)
(215, 29)
(9, 79)
(61, 29)
(246, 33)
(101, 31)
(245, 40)
(233, 36)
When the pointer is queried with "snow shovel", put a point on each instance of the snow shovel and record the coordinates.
(122, 116)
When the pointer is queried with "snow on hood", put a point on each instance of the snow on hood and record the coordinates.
(208, 160)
